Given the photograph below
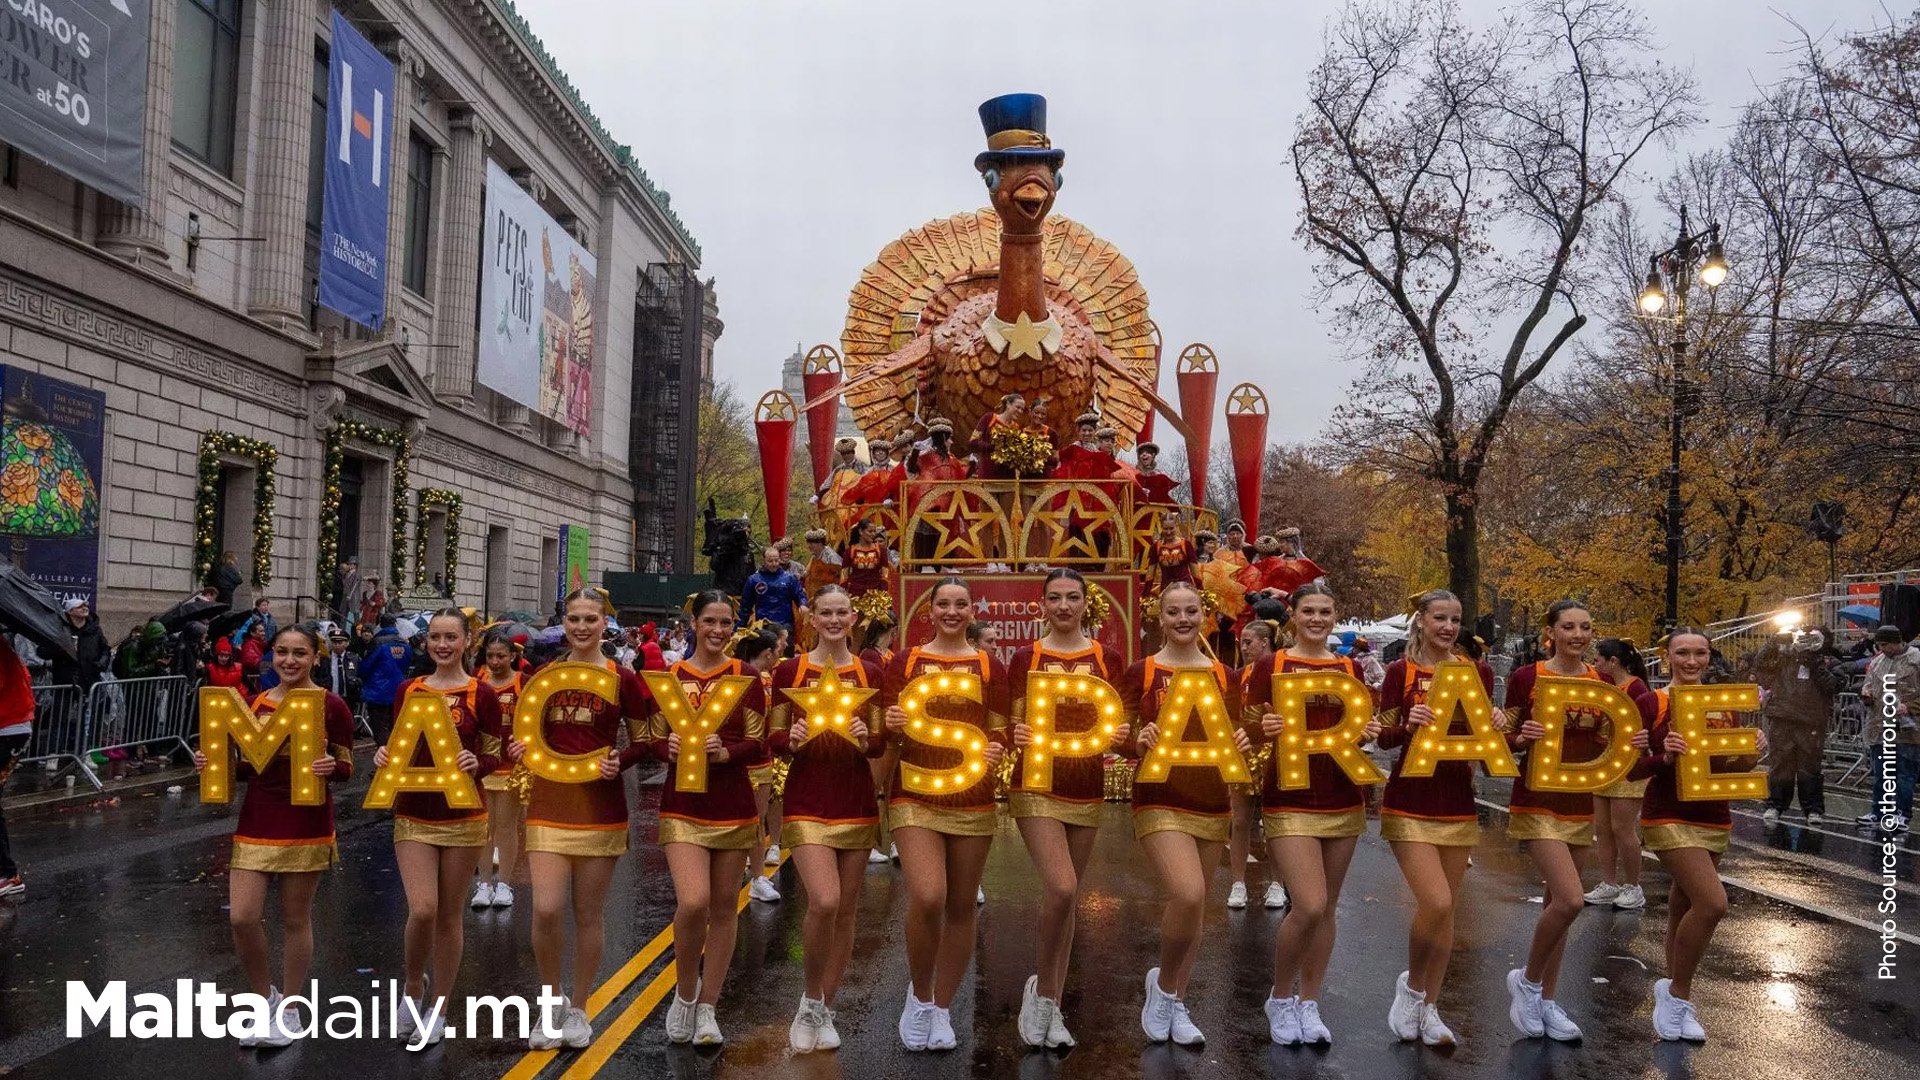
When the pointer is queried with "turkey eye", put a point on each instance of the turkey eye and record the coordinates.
(992, 177)
(1058, 180)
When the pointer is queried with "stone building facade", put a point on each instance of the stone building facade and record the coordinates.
(196, 311)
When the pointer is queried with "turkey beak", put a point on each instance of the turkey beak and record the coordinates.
(1031, 197)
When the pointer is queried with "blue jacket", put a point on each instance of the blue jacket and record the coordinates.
(774, 595)
(384, 668)
(240, 635)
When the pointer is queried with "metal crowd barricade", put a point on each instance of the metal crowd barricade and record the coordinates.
(1850, 739)
(141, 712)
(59, 736)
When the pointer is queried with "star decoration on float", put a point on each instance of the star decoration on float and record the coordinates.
(1023, 336)
(1073, 520)
(960, 527)
(830, 705)
(1248, 399)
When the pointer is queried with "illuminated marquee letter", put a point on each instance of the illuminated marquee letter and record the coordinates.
(1456, 685)
(830, 705)
(423, 715)
(1688, 706)
(969, 740)
(1193, 691)
(694, 725)
(1296, 745)
(1553, 698)
(299, 722)
(1045, 693)
(556, 678)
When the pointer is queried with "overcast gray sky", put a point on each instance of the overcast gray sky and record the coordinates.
(799, 138)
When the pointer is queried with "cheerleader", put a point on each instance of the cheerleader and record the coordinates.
(868, 560)
(943, 839)
(1182, 822)
(761, 653)
(830, 823)
(1257, 643)
(876, 648)
(275, 838)
(1059, 825)
(1616, 807)
(1688, 837)
(1011, 413)
(1555, 826)
(708, 836)
(501, 855)
(1431, 822)
(576, 833)
(437, 846)
(1310, 832)
(1173, 555)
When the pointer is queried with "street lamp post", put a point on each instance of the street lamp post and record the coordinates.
(1673, 270)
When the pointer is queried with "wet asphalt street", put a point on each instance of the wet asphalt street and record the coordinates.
(137, 891)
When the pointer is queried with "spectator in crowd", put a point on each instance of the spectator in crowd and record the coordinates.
(224, 669)
(652, 657)
(773, 594)
(346, 591)
(253, 649)
(362, 642)
(225, 578)
(145, 654)
(338, 673)
(626, 651)
(382, 671)
(262, 616)
(1800, 684)
(16, 727)
(89, 645)
(373, 603)
(1896, 672)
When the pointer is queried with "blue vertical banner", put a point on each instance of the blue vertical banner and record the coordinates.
(353, 215)
(52, 443)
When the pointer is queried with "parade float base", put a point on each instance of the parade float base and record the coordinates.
(1011, 603)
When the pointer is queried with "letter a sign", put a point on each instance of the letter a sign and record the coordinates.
(353, 217)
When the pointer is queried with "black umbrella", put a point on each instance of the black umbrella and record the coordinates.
(28, 609)
(192, 609)
(224, 625)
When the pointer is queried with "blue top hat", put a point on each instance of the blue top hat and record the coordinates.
(1016, 127)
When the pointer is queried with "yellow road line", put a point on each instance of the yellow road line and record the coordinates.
(606, 1043)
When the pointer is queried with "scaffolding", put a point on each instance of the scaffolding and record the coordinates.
(668, 313)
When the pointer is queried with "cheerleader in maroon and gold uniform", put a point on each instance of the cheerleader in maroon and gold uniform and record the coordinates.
(1183, 821)
(868, 560)
(831, 821)
(1687, 836)
(876, 648)
(1555, 826)
(499, 657)
(436, 845)
(708, 835)
(576, 833)
(278, 839)
(1173, 556)
(1432, 822)
(1310, 832)
(1616, 807)
(1059, 825)
(1258, 640)
(943, 839)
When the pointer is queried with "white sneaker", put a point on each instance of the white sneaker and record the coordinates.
(1560, 1028)
(940, 1030)
(1403, 1017)
(1524, 1006)
(403, 1025)
(706, 1027)
(1283, 1020)
(1603, 893)
(1312, 1029)
(1276, 895)
(277, 1033)
(1182, 1029)
(1816, 819)
(502, 894)
(1867, 820)
(436, 1030)
(1237, 896)
(680, 1020)
(773, 854)
(538, 1039)
(273, 1010)
(1771, 816)
(980, 895)
(1156, 1016)
(1057, 1034)
(762, 889)
(575, 1032)
(916, 1022)
(876, 857)
(1900, 825)
(1631, 898)
(482, 896)
(1433, 1030)
(804, 1033)
(1673, 1017)
(1033, 1014)
(828, 1037)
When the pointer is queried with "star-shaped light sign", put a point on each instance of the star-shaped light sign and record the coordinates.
(831, 705)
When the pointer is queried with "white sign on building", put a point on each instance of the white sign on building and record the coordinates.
(536, 308)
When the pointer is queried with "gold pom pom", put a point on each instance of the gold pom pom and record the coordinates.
(1023, 453)
(1119, 780)
(781, 766)
(1099, 606)
(873, 605)
(520, 782)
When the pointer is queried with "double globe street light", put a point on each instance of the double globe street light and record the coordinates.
(1669, 273)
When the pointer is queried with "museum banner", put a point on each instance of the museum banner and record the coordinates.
(536, 308)
(50, 459)
(357, 187)
(73, 88)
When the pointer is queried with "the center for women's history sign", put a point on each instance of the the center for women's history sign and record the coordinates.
(536, 308)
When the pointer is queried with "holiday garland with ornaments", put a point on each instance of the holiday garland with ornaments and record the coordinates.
(451, 502)
(336, 451)
(215, 446)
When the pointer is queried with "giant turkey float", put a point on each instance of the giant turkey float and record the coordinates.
(998, 361)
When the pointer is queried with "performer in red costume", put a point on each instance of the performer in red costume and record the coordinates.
(1011, 413)
(1150, 484)
(1173, 557)
(1278, 567)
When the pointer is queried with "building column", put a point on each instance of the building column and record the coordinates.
(407, 66)
(280, 152)
(459, 293)
(138, 233)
